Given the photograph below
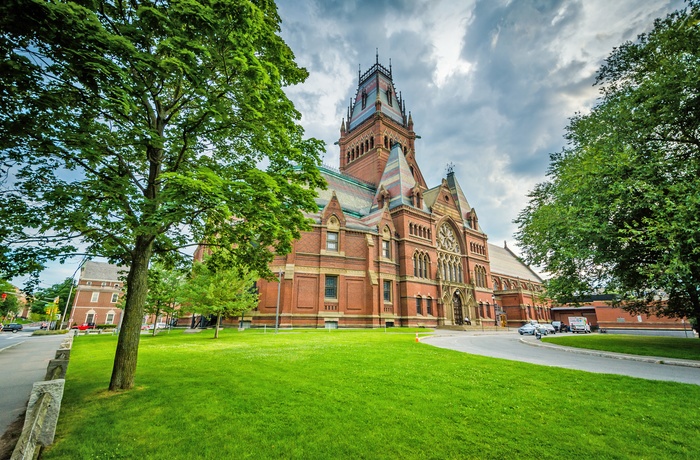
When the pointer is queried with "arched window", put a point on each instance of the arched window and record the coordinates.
(371, 142)
(419, 305)
(386, 142)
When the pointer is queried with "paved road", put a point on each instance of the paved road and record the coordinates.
(23, 361)
(508, 345)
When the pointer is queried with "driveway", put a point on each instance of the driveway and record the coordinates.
(508, 345)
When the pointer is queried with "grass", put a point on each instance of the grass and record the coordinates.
(666, 347)
(357, 395)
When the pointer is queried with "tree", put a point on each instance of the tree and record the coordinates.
(621, 209)
(9, 306)
(218, 287)
(134, 129)
(163, 288)
(62, 291)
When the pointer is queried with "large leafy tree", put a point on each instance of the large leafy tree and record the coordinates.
(134, 129)
(10, 305)
(219, 288)
(621, 208)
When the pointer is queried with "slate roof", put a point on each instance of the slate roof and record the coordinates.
(376, 82)
(504, 262)
(460, 198)
(397, 179)
(101, 271)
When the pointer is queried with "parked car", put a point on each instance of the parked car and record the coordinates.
(84, 327)
(14, 327)
(548, 327)
(557, 325)
(527, 329)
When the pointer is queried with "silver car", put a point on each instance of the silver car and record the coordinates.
(528, 329)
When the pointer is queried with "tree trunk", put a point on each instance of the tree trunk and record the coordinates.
(155, 321)
(218, 322)
(124, 369)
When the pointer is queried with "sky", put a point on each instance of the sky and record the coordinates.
(490, 84)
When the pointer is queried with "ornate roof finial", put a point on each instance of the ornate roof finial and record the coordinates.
(342, 126)
(450, 168)
(377, 55)
(359, 73)
(390, 67)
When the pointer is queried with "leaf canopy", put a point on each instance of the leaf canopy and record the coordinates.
(620, 210)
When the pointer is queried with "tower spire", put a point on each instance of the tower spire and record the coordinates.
(377, 55)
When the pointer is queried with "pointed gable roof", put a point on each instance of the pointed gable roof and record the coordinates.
(465, 209)
(376, 92)
(396, 179)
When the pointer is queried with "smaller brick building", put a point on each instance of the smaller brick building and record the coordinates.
(600, 312)
(97, 294)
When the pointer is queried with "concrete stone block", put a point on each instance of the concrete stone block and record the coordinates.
(63, 353)
(56, 369)
(54, 388)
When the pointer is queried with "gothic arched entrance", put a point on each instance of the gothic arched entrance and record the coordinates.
(457, 308)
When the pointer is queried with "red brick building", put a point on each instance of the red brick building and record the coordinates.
(97, 294)
(601, 313)
(388, 249)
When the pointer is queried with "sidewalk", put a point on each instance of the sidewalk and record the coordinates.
(609, 354)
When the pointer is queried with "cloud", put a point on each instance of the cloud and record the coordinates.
(490, 83)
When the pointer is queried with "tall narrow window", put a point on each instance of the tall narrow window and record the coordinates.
(419, 305)
(332, 241)
(95, 297)
(386, 249)
(429, 306)
(387, 291)
(331, 287)
(115, 297)
(110, 318)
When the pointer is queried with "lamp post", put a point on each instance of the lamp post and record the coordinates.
(277, 313)
(495, 310)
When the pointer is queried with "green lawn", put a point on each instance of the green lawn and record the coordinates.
(358, 395)
(665, 347)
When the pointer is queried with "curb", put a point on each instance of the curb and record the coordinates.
(10, 346)
(612, 355)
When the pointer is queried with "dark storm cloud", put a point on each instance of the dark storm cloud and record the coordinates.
(490, 83)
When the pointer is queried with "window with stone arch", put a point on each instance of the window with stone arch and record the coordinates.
(386, 243)
(333, 234)
(421, 265)
(449, 255)
(480, 276)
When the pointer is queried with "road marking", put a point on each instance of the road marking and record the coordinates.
(10, 346)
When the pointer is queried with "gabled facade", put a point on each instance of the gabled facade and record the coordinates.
(385, 248)
(97, 295)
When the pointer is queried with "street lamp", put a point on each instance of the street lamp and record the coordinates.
(495, 310)
(277, 313)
